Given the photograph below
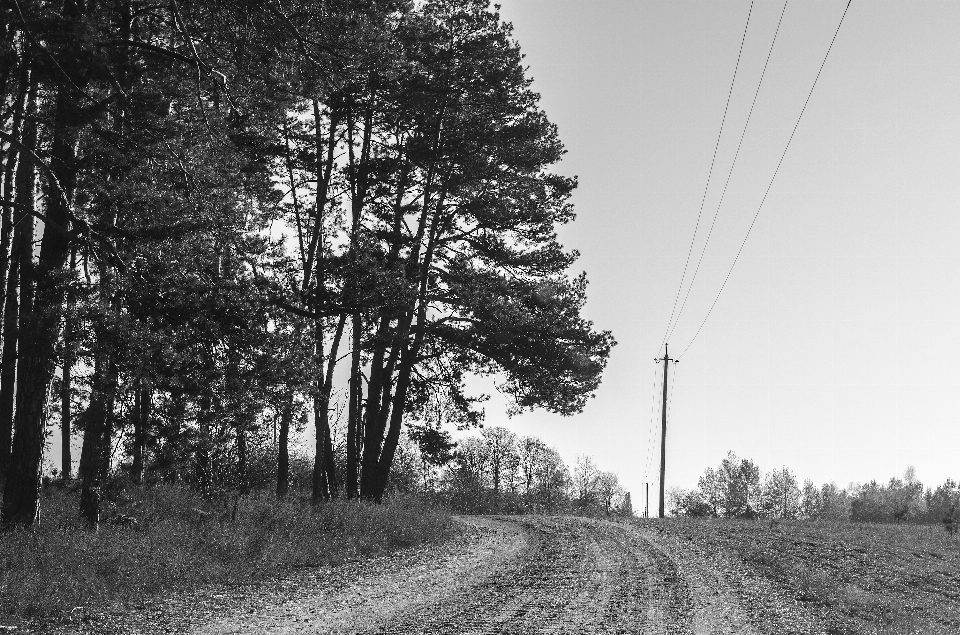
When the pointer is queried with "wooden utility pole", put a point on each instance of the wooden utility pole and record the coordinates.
(646, 506)
(663, 437)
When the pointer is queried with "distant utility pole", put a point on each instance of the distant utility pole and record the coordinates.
(646, 506)
(663, 437)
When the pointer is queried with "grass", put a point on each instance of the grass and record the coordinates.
(171, 538)
(851, 578)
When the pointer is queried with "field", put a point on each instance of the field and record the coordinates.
(840, 578)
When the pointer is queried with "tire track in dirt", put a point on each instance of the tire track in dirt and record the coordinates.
(372, 597)
(715, 600)
(576, 576)
(512, 575)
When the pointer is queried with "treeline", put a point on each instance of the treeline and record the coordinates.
(498, 472)
(735, 490)
(215, 213)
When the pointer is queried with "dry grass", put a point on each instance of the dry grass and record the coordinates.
(180, 540)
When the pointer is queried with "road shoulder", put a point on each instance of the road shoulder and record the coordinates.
(365, 599)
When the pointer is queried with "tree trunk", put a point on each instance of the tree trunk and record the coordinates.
(38, 332)
(358, 178)
(10, 248)
(169, 453)
(65, 395)
(321, 489)
(283, 456)
(141, 426)
(378, 484)
(324, 467)
(329, 459)
(136, 464)
(8, 373)
(97, 434)
(353, 412)
(378, 398)
(242, 480)
(33, 339)
(408, 358)
(202, 452)
(7, 257)
(98, 418)
(382, 449)
(66, 386)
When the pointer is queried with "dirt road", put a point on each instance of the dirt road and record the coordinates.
(513, 575)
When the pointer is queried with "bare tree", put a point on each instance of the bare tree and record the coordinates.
(472, 462)
(501, 450)
(608, 488)
(530, 451)
(585, 476)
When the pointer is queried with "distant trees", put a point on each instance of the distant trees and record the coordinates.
(214, 211)
(610, 495)
(942, 502)
(730, 491)
(721, 493)
(897, 500)
(585, 481)
(811, 500)
(780, 496)
(496, 471)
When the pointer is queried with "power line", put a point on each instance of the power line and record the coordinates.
(730, 172)
(709, 175)
(770, 184)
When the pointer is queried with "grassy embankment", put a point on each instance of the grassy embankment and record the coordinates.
(174, 539)
(842, 578)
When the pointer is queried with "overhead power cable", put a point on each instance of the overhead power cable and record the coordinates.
(770, 184)
(709, 176)
(729, 173)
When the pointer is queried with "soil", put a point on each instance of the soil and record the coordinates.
(526, 574)
(540, 574)
(505, 575)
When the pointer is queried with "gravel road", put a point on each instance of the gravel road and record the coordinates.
(526, 574)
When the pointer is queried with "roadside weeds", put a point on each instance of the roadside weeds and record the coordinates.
(173, 539)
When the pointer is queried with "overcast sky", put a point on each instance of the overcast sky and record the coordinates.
(835, 347)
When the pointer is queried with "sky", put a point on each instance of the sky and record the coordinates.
(834, 347)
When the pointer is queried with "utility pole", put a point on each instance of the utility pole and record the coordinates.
(663, 437)
(646, 506)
